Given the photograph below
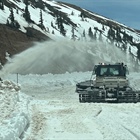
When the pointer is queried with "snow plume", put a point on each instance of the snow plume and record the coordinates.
(63, 56)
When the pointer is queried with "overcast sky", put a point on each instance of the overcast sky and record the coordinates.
(124, 11)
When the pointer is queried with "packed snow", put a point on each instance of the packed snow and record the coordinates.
(46, 107)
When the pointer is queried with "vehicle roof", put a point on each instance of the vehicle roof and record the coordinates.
(115, 64)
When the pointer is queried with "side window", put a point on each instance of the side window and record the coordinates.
(94, 70)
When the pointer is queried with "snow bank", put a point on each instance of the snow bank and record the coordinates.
(51, 79)
(14, 127)
(14, 111)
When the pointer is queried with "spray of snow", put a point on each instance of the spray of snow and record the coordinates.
(58, 57)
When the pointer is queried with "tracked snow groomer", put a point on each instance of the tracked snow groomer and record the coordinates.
(109, 84)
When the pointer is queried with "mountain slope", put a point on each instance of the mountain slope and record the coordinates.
(59, 20)
(14, 41)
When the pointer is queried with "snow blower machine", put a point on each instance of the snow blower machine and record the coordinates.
(109, 84)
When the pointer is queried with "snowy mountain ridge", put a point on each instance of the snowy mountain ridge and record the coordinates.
(62, 20)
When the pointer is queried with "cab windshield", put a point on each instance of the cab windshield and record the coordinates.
(110, 70)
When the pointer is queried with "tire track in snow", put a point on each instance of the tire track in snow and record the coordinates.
(98, 112)
(64, 116)
(112, 118)
(37, 124)
(135, 135)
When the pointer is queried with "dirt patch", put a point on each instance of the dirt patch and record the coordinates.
(14, 41)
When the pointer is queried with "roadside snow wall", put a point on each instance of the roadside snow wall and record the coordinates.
(14, 111)
(14, 127)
